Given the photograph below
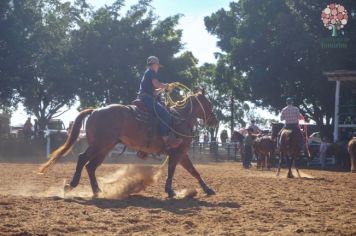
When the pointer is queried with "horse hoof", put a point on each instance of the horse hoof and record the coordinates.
(96, 195)
(290, 176)
(171, 193)
(67, 188)
(210, 192)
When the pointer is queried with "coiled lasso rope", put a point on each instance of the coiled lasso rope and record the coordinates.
(181, 103)
(170, 102)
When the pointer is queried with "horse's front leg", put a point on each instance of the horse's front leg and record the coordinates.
(289, 164)
(172, 164)
(281, 155)
(188, 165)
(295, 166)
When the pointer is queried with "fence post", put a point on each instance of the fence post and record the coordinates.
(48, 143)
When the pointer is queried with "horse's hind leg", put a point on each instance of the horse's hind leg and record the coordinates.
(83, 158)
(279, 163)
(188, 165)
(172, 164)
(295, 166)
(91, 168)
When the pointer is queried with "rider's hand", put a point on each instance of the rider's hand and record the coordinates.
(170, 87)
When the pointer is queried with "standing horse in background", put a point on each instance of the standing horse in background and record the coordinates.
(290, 147)
(115, 124)
(238, 138)
(264, 148)
(339, 149)
(352, 153)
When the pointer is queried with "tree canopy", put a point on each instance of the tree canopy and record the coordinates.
(53, 52)
(274, 48)
(110, 51)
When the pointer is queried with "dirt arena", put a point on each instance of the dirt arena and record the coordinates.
(248, 202)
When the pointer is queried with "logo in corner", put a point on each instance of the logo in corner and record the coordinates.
(334, 17)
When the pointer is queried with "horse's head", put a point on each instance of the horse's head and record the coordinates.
(276, 127)
(204, 109)
(237, 136)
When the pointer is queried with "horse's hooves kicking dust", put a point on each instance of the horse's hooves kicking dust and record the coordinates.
(210, 192)
(186, 193)
(129, 180)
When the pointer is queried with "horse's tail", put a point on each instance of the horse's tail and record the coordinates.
(67, 146)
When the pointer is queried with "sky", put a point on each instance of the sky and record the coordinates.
(195, 37)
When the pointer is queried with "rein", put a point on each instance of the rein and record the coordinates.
(189, 96)
(181, 105)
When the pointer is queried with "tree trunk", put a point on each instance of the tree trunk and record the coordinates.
(232, 124)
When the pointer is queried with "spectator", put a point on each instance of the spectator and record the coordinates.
(322, 153)
(248, 148)
(224, 136)
(206, 138)
(254, 127)
(27, 129)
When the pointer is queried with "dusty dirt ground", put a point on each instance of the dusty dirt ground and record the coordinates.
(248, 202)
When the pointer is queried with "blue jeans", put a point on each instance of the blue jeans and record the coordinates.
(156, 108)
(248, 156)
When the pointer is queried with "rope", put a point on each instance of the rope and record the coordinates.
(180, 104)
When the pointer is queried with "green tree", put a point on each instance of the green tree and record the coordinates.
(46, 82)
(110, 51)
(16, 21)
(227, 103)
(276, 44)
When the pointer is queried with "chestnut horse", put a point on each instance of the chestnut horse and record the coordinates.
(108, 126)
(264, 149)
(289, 147)
(352, 152)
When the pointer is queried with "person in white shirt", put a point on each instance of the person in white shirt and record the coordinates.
(291, 115)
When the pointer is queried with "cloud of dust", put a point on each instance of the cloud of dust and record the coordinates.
(186, 193)
(305, 175)
(128, 180)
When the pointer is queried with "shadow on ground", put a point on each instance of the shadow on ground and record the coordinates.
(177, 206)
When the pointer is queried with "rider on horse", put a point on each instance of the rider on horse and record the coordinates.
(291, 115)
(148, 92)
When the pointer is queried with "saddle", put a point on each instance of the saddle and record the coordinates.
(149, 121)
